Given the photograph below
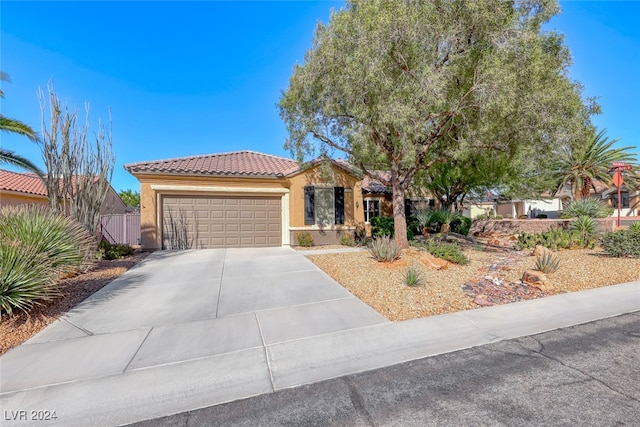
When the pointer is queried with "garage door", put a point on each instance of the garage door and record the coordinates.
(220, 222)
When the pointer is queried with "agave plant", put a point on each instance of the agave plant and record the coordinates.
(384, 249)
(547, 262)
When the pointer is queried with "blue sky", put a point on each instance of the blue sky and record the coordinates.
(188, 78)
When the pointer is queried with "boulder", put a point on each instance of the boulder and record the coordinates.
(541, 251)
(536, 279)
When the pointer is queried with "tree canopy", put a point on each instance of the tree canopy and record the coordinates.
(130, 197)
(579, 164)
(403, 86)
(17, 127)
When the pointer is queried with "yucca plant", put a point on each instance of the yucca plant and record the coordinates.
(444, 217)
(635, 227)
(412, 277)
(424, 219)
(547, 262)
(590, 207)
(66, 243)
(25, 276)
(586, 230)
(384, 249)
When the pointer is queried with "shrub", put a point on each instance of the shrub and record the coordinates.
(635, 226)
(347, 239)
(413, 226)
(622, 243)
(424, 219)
(585, 230)
(593, 208)
(26, 276)
(557, 238)
(304, 239)
(412, 277)
(382, 226)
(444, 217)
(547, 262)
(360, 234)
(67, 244)
(384, 249)
(444, 250)
(37, 246)
(109, 251)
(461, 225)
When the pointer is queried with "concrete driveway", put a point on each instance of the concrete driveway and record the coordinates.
(203, 319)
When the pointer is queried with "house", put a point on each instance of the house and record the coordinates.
(28, 189)
(251, 199)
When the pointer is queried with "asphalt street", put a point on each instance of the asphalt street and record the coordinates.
(584, 375)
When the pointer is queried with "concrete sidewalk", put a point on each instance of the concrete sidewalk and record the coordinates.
(260, 321)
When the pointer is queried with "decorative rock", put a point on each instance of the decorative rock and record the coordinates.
(435, 263)
(536, 279)
(482, 300)
(540, 250)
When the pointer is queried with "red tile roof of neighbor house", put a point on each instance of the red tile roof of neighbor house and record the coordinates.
(22, 182)
(248, 163)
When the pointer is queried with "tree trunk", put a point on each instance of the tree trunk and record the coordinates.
(399, 219)
(586, 188)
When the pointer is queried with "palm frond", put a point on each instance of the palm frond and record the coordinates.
(11, 158)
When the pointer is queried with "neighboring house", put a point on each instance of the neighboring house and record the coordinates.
(28, 189)
(251, 199)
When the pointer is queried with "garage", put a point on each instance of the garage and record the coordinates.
(204, 222)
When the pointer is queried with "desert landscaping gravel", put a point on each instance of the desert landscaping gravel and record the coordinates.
(382, 285)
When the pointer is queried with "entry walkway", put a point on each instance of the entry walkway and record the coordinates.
(185, 330)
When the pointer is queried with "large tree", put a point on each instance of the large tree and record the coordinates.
(404, 85)
(582, 162)
(17, 127)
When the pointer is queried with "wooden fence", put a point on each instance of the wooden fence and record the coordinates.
(121, 228)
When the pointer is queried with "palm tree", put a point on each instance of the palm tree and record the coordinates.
(581, 165)
(16, 127)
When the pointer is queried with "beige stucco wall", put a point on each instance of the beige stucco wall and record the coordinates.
(16, 199)
(191, 185)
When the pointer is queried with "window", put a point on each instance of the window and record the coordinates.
(323, 206)
(371, 209)
(625, 201)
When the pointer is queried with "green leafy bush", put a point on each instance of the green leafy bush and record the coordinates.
(412, 277)
(461, 225)
(547, 262)
(382, 226)
(444, 250)
(304, 239)
(37, 247)
(557, 238)
(622, 243)
(384, 249)
(413, 227)
(347, 239)
(591, 207)
(109, 251)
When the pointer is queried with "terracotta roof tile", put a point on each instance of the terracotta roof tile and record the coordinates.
(248, 163)
(22, 182)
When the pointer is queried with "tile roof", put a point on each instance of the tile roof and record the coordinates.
(370, 185)
(22, 182)
(248, 163)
